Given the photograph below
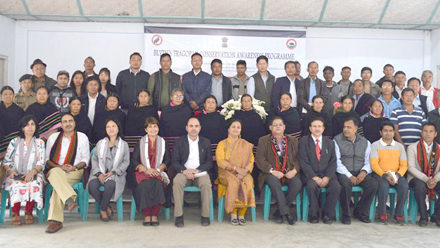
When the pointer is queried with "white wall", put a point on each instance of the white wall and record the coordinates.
(435, 55)
(7, 43)
(64, 45)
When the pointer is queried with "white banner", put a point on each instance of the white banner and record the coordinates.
(229, 45)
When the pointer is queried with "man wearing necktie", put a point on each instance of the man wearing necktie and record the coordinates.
(318, 170)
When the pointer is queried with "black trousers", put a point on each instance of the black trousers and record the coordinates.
(103, 198)
(284, 201)
(314, 191)
(420, 191)
(369, 186)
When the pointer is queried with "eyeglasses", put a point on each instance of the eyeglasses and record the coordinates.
(178, 96)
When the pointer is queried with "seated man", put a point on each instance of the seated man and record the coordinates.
(317, 161)
(353, 168)
(277, 159)
(423, 176)
(388, 161)
(192, 159)
(67, 153)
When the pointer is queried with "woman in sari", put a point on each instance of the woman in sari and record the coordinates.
(235, 162)
(148, 180)
(110, 160)
(24, 163)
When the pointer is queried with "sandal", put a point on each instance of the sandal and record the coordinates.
(28, 219)
(234, 222)
(110, 212)
(242, 221)
(16, 221)
(105, 219)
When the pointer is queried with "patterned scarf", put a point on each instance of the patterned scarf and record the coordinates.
(280, 154)
(55, 152)
(428, 165)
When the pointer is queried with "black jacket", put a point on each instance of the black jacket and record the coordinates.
(282, 85)
(128, 86)
(310, 167)
(99, 106)
(181, 154)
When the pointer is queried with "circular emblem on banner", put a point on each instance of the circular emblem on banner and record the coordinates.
(291, 44)
(156, 40)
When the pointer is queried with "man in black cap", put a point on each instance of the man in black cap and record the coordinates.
(26, 96)
(39, 77)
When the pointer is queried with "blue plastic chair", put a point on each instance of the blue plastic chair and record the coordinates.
(268, 200)
(413, 208)
(40, 213)
(193, 188)
(119, 205)
(356, 190)
(79, 188)
(221, 211)
(133, 211)
(306, 203)
(393, 192)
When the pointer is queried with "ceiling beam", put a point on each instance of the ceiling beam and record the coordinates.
(80, 9)
(324, 7)
(433, 12)
(202, 10)
(384, 10)
(263, 6)
(26, 8)
(141, 10)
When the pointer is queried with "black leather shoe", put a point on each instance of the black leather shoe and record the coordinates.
(313, 220)
(423, 222)
(364, 219)
(290, 219)
(179, 221)
(327, 220)
(435, 220)
(205, 221)
(346, 220)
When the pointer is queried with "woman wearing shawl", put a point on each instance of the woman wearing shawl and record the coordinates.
(253, 126)
(113, 111)
(24, 163)
(148, 180)
(174, 116)
(289, 114)
(340, 117)
(138, 113)
(235, 162)
(110, 160)
(83, 123)
(373, 121)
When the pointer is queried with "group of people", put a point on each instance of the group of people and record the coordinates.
(156, 133)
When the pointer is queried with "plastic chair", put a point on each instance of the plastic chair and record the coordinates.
(119, 204)
(193, 188)
(356, 190)
(268, 199)
(393, 192)
(79, 188)
(306, 203)
(133, 210)
(40, 213)
(414, 208)
(221, 208)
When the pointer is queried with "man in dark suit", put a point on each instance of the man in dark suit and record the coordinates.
(362, 100)
(310, 87)
(286, 84)
(221, 86)
(420, 100)
(317, 160)
(192, 160)
(93, 102)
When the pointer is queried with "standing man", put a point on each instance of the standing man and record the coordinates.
(192, 160)
(39, 77)
(25, 97)
(89, 65)
(67, 154)
(369, 87)
(420, 100)
(424, 175)
(332, 89)
(61, 93)
(239, 82)
(428, 89)
(400, 78)
(261, 83)
(388, 71)
(196, 84)
(130, 81)
(353, 168)
(298, 70)
(286, 84)
(310, 87)
(163, 82)
(389, 163)
(388, 101)
(362, 100)
(345, 84)
(317, 161)
(221, 86)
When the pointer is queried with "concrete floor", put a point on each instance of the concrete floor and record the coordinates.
(95, 233)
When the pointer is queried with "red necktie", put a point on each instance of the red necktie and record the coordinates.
(318, 150)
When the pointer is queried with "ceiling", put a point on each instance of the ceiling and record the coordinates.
(392, 14)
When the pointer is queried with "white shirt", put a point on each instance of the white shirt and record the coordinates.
(251, 84)
(82, 149)
(92, 107)
(193, 161)
(292, 91)
(429, 93)
(428, 148)
(320, 141)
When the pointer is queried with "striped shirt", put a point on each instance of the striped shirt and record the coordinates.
(410, 125)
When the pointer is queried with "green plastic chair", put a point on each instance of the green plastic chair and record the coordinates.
(133, 211)
(40, 213)
(268, 199)
(356, 190)
(119, 204)
(79, 188)
(393, 192)
(413, 208)
(221, 211)
(306, 203)
(193, 188)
